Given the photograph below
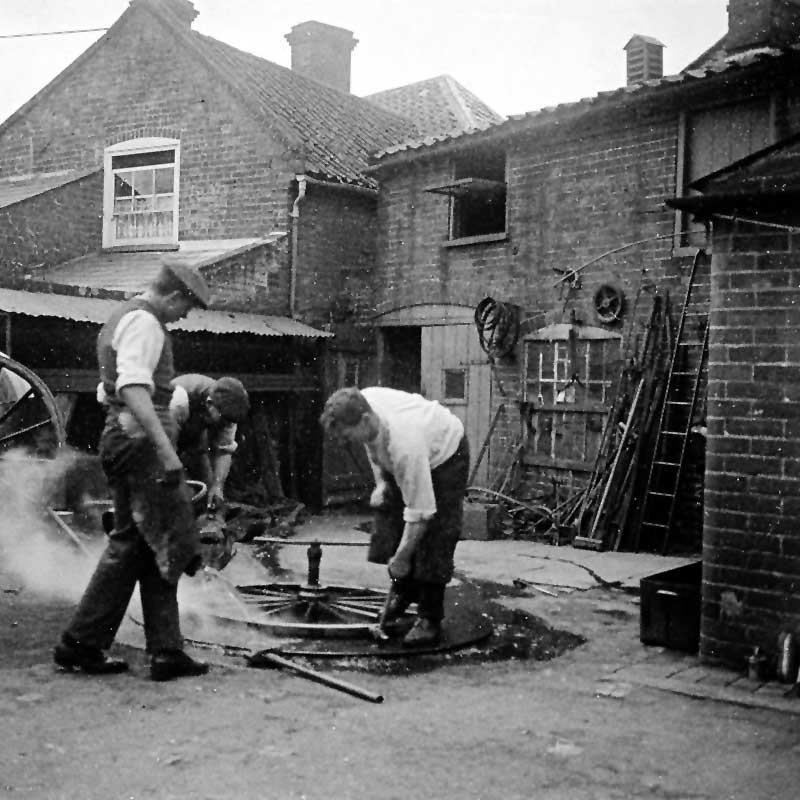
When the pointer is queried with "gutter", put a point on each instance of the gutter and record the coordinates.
(295, 214)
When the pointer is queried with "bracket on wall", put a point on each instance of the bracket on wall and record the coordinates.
(570, 276)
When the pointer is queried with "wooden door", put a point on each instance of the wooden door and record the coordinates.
(455, 371)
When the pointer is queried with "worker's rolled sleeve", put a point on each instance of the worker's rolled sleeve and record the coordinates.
(413, 477)
(138, 341)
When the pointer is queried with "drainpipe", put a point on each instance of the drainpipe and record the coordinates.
(301, 193)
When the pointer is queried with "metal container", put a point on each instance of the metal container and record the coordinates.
(786, 668)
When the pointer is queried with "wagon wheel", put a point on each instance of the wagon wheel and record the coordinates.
(290, 609)
(609, 303)
(29, 416)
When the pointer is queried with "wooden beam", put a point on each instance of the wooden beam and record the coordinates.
(86, 380)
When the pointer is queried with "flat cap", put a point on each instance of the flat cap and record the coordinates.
(187, 279)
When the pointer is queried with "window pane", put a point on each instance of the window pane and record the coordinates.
(455, 384)
(123, 184)
(164, 202)
(122, 205)
(143, 159)
(165, 179)
(143, 182)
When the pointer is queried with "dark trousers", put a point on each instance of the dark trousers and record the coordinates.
(127, 559)
(151, 543)
(433, 561)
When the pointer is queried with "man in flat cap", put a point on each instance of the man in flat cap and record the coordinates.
(208, 413)
(420, 458)
(154, 540)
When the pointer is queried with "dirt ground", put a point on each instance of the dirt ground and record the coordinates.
(497, 729)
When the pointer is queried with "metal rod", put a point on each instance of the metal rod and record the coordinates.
(265, 657)
(278, 540)
(66, 528)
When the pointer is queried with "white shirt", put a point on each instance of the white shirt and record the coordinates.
(420, 435)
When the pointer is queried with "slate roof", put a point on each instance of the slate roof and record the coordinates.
(132, 271)
(437, 105)
(728, 65)
(96, 310)
(15, 191)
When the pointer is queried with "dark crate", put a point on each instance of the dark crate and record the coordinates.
(670, 608)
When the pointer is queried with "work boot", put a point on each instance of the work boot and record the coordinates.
(169, 664)
(424, 632)
(70, 654)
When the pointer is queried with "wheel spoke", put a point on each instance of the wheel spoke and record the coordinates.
(278, 609)
(340, 610)
(17, 404)
(17, 434)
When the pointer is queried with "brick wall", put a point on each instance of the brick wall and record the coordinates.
(752, 512)
(55, 226)
(336, 255)
(571, 197)
(235, 172)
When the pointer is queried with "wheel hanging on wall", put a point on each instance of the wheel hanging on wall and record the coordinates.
(609, 303)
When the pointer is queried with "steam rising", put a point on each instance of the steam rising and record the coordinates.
(36, 553)
(53, 561)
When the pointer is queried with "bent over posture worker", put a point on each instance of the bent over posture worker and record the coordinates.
(420, 459)
(208, 412)
(154, 538)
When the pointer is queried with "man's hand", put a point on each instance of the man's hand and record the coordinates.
(378, 496)
(399, 566)
(216, 498)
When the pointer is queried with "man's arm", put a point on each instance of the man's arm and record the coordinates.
(400, 562)
(140, 404)
(221, 466)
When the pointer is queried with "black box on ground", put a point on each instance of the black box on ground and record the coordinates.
(669, 613)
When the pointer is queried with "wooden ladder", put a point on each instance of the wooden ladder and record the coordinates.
(687, 372)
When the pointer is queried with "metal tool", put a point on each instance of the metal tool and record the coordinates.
(266, 658)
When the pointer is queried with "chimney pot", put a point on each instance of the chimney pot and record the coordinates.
(645, 59)
(322, 52)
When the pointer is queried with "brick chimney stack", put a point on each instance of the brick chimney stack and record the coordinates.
(184, 10)
(645, 59)
(762, 23)
(322, 52)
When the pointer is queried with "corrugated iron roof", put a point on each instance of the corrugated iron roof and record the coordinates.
(713, 67)
(19, 189)
(96, 310)
(132, 271)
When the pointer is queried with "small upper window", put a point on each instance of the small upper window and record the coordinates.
(141, 193)
(477, 196)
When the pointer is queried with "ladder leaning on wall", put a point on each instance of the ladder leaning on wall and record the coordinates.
(686, 374)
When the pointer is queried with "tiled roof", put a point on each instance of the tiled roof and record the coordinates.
(715, 66)
(15, 191)
(336, 130)
(437, 105)
(95, 310)
(133, 271)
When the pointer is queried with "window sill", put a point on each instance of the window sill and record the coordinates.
(485, 238)
(138, 248)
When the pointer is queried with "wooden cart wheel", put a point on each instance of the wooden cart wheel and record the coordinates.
(29, 416)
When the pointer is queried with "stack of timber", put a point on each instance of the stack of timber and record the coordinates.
(599, 516)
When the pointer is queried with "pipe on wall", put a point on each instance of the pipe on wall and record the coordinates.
(301, 193)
